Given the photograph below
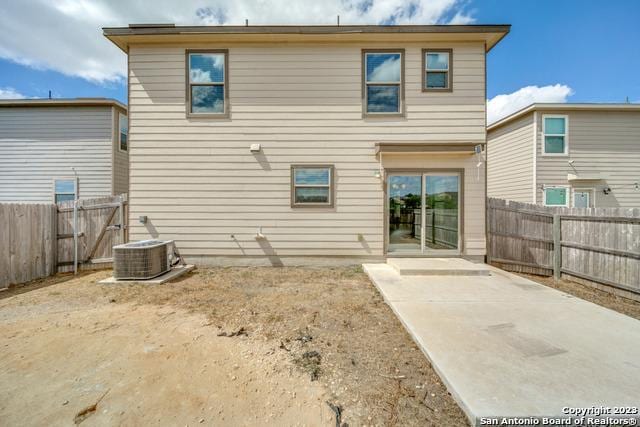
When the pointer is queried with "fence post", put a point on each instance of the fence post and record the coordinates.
(433, 226)
(75, 236)
(557, 248)
(122, 229)
(54, 239)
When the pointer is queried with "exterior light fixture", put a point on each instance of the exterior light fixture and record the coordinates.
(606, 190)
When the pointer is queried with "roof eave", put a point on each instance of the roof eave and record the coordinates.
(63, 102)
(123, 36)
(554, 106)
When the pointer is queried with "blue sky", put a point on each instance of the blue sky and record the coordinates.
(569, 50)
(570, 42)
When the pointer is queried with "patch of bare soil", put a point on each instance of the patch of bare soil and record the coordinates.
(605, 299)
(333, 324)
(280, 346)
(72, 356)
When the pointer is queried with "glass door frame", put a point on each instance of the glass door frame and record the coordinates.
(423, 173)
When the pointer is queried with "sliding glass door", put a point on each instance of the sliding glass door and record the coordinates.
(423, 212)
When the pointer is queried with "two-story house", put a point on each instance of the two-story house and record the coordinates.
(53, 150)
(578, 155)
(285, 144)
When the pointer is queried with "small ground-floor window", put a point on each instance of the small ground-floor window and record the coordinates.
(556, 196)
(312, 185)
(65, 189)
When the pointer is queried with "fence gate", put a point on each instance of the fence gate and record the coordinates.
(102, 224)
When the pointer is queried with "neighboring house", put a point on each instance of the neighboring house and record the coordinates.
(579, 155)
(268, 143)
(61, 149)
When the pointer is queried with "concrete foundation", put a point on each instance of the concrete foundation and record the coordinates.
(170, 275)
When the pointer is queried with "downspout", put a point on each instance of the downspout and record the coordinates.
(487, 256)
(535, 157)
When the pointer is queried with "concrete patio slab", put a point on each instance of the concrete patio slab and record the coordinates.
(438, 267)
(170, 275)
(509, 347)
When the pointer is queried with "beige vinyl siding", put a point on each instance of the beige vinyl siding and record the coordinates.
(38, 144)
(604, 142)
(120, 158)
(510, 161)
(198, 183)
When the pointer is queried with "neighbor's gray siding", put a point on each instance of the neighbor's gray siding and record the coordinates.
(120, 159)
(510, 161)
(599, 141)
(198, 183)
(38, 144)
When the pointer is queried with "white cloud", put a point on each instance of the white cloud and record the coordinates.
(502, 105)
(388, 71)
(462, 18)
(66, 35)
(10, 93)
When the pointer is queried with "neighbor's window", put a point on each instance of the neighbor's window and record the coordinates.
(582, 198)
(383, 85)
(312, 186)
(207, 88)
(437, 70)
(554, 130)
(65, 189)
(555, 196)
(124, 132)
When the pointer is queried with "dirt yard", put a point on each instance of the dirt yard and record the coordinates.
(232, 346)
(608, 300)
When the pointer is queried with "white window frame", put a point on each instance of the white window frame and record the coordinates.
(120, 117)
(400, 83)
(565, 135)
(66, 178)
(590, 190)
(567, 199)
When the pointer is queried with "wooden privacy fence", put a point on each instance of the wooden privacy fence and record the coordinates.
(37, 240)
(597, 245)
(27, 242)
(441, 228)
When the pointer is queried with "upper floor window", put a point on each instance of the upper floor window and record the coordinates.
(555, 135)
(207, 91)
(65, 189)
(312, 185)
(437, 70)
(383, 86)
(123, 137)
